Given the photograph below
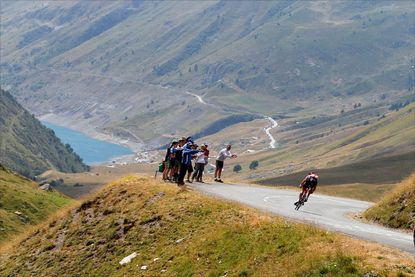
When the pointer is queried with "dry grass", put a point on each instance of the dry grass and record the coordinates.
(191, 234)
(89, 182)
(339, 147)
(396, 209)
(365, 192)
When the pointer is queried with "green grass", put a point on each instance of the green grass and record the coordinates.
(18, 194)
(337, 265)
(184, 233)
(397, 208)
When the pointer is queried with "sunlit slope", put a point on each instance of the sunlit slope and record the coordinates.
(370, 146)
(182, 233)
(397, 208)
(23, 204)
(28, 147)
(393, 134)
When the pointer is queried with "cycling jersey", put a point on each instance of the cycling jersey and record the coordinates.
(311, 181)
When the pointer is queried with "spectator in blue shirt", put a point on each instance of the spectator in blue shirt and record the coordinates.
(188, 150)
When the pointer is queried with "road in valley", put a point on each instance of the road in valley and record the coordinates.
(274, 124)
(332, 213)
(199, 98)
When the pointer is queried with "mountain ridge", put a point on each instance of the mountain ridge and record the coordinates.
(262, 58)
(28, 147)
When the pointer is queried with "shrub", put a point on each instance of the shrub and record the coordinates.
(237, 168)
(254, 165)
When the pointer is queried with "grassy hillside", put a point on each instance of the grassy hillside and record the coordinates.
(27, 146)
(397, 208)
(183, 233)
(23, 204)
(377, 171)
(116, 65)
(377, 151)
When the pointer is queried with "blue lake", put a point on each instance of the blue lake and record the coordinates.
(92, 151)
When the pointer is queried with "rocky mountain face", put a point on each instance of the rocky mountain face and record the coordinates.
(126, 67)
(28, 147)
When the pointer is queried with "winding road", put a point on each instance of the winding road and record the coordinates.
(332, 213)
(199, 98)
(274, 124)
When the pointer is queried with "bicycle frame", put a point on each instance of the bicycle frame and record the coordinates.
(303, 198)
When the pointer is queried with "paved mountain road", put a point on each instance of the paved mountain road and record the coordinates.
(329, 212)
(267, 129)
(274, 124)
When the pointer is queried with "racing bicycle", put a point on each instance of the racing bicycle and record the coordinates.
(303, 199)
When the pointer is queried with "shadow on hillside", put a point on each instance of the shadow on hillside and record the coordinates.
(379, 171)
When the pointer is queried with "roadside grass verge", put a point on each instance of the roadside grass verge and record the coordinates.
(184, 233)
(397, 208)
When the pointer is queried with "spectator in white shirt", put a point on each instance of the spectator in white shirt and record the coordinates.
(201, 161)
(222, 156)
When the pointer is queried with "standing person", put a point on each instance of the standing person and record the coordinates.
(222, 156)
(206, 152)
(190, 167)
(200, 164)
(187, 152)
(167, 160)
(308, 184)
(178, 152)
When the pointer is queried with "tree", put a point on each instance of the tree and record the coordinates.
(254, 164)
(237, 168)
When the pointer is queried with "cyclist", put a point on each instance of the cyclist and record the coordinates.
(308, 183)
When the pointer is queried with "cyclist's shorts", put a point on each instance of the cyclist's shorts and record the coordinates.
(309, 185)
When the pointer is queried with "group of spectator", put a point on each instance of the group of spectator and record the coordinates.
(178, 162)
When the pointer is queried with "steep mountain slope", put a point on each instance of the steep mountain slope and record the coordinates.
(22, 204)
(397, 208)
(119, 65)
(184, 234)
(28, 147)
